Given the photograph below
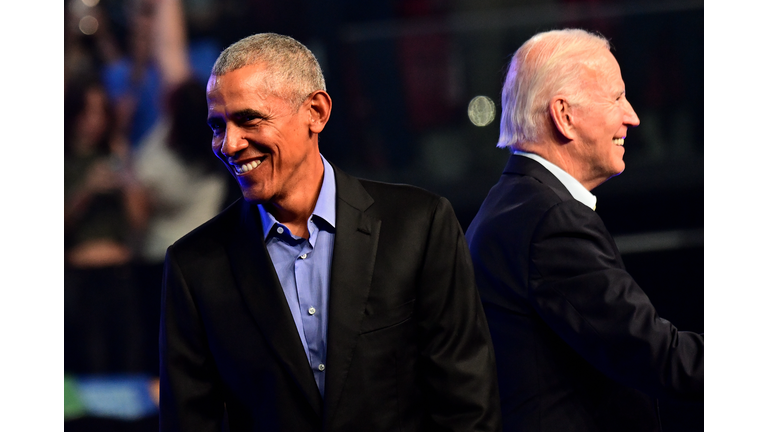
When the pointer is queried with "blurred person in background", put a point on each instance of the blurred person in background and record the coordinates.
(185, 185)
(115, 46)
(129, 73)
(145, 53)
(104, 209)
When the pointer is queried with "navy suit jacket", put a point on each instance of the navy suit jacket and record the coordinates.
(408, 345)
(579, 346)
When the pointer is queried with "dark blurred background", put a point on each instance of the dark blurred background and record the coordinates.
(139, 172)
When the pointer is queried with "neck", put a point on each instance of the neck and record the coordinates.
(295, 209)
(560, 155)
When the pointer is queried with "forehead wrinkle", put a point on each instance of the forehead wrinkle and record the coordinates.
(235, 97)
(604, 76)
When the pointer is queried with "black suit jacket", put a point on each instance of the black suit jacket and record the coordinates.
(579, 346)
(408, 347)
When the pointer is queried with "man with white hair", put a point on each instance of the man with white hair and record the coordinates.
(579, 346)
(319, 301)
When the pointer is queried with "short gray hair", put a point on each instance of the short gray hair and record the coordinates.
(545, 65)
(293, 71)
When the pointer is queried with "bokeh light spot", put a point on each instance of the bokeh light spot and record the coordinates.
(481, 111)
(89, 25)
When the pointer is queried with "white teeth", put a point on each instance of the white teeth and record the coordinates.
(618, 141)
(244, 168)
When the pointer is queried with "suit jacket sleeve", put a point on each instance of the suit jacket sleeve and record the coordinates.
(579, 286)
(190, 396)
(458, 366)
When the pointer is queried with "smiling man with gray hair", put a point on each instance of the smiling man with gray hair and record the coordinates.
(579, 346)
(319, 301)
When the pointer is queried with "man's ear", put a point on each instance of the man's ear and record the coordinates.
(319, 110)
(562, 116)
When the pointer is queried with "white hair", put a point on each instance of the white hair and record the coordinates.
(293, 72)
(546, 64)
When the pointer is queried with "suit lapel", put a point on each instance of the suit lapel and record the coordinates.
(259, 285)
(354, 255)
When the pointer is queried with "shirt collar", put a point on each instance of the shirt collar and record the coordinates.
(576, 189)
(325, 208)
(326, 201)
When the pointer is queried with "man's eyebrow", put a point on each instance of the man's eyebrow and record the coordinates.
(239, 115)
(247, 113)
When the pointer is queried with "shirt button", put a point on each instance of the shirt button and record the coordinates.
(303, 256)
(311, 311)
(279, 230)
(321, 367)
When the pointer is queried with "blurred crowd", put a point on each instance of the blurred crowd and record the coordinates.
(138, 174)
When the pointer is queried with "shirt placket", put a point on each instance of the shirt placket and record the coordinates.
(308, 282)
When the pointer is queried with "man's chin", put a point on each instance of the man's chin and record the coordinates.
(620, 167)
(617, 170)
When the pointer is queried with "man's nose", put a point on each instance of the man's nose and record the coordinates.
(630, 117)
(233, 142)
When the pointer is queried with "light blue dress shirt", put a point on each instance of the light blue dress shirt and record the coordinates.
(304, 267)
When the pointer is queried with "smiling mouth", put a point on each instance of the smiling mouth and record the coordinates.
(618, 141)
(244, 168)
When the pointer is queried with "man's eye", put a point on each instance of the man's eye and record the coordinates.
(216, 127)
